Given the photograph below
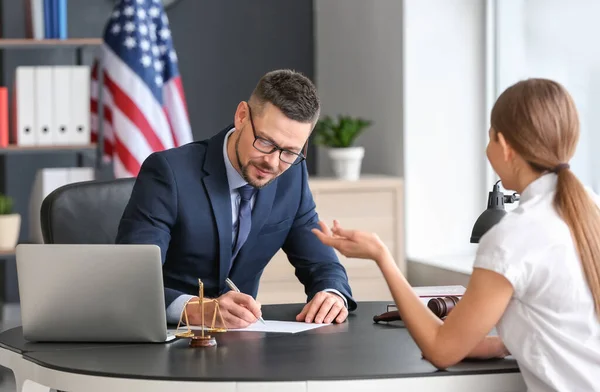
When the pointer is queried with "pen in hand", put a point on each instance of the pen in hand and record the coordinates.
(234, 288)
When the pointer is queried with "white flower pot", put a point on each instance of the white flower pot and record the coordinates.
(347, 162)
(10, 225)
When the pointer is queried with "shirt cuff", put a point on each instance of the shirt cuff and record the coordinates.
(175, 309)
(338, 293)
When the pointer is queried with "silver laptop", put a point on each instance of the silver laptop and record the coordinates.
(91, 293)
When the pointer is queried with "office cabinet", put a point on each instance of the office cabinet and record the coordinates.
(372, 204)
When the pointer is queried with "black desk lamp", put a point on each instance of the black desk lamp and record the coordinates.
(495, 211)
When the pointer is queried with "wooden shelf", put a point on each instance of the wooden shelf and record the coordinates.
(49, 148)
(26, 43)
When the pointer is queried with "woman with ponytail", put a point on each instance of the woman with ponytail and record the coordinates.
(536, 275)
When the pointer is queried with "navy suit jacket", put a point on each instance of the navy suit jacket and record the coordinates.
(181, 202)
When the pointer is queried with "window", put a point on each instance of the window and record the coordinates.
(558, 40)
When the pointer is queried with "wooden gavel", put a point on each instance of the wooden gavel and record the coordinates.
(441, 307)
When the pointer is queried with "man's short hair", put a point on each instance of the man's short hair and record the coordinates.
(291, 92)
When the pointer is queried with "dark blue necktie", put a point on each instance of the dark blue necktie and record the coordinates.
(244, 217)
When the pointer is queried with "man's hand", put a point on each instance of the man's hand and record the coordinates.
(239, 311)
(325, 307)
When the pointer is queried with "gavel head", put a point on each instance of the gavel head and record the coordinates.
(441, 307)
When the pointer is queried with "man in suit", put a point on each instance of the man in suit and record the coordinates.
(223, 207)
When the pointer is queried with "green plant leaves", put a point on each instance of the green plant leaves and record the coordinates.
(6, 205)
(341, 133)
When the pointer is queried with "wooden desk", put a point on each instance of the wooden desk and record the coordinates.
(355, 356)
(373, 203)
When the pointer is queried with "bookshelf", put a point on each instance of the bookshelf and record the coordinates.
(19, 164)
(76, 43)
(12, 149)
(25, 43)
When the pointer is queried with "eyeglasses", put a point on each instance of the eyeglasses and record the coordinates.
(268, 147)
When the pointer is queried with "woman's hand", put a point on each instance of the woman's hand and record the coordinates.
(352, 243)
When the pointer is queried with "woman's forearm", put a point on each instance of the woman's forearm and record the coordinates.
(489, 347)
(421, 323)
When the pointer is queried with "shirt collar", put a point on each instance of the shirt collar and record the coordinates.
(234, 178)
(540, 186)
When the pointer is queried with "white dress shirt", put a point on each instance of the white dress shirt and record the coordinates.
(550, 325)
(235, 181)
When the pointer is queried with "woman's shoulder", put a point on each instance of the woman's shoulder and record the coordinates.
(533, 224)
(527, 230)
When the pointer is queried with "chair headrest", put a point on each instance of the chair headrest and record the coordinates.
(85, 212)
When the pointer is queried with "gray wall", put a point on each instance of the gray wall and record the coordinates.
(223, 46)
(358, 54)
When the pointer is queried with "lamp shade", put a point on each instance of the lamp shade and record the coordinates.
(493, 214)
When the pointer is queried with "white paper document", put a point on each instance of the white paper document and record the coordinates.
(276, 326)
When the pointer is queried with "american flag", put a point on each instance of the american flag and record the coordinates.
(144, 102)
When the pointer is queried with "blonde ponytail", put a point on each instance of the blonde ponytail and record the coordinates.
(582, 215)
(538, 118)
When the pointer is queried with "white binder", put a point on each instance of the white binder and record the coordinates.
(24, 121)
(81, 174)
(47, 180)
(43, 105)
(62, 128)
(80, 104)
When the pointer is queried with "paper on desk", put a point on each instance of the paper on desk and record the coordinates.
(280, 326)
(277, 326)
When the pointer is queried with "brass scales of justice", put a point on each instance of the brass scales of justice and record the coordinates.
(200, 338)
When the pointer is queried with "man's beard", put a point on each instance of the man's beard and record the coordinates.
(245, 169)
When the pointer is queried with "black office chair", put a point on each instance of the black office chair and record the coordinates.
(85, 212)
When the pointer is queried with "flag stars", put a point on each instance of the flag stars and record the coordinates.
(129, 42)
(129, 27)
(144, 30)
(164, 33)
(153, 31)
(128, 11)
(154, 12)
(145, 45)
(146, 61)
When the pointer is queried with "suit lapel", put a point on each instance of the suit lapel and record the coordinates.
(217, 189)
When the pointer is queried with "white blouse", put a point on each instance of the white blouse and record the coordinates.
(550, 325)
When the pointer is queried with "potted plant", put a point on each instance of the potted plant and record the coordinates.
(339, 137)
(10, 223)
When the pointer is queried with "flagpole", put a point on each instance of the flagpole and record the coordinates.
(100, 115)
